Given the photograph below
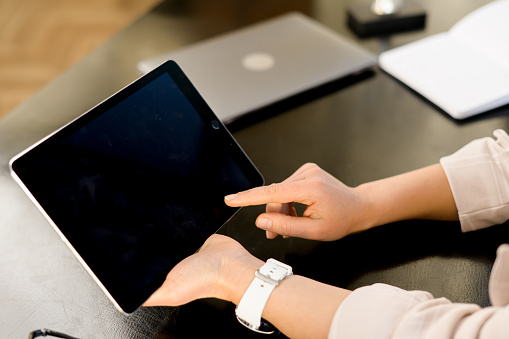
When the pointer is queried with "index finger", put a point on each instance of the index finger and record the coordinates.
(284, 192)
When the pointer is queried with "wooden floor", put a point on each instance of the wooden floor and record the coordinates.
(39, 39)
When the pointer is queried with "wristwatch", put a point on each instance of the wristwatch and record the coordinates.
(249, 311)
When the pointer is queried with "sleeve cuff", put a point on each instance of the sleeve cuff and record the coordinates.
(382, 311)
(374, 311)
(479, 180)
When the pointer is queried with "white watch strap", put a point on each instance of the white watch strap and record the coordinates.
(250, 309)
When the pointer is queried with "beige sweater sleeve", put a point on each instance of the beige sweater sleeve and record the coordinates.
(479, 178)
(382, 311)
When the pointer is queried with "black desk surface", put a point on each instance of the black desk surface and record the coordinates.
(369, 130)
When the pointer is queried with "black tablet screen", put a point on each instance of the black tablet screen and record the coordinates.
(138, 187)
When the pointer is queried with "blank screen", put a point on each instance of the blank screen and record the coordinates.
(138, 188)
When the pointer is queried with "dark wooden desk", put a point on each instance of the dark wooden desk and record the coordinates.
(370, 130)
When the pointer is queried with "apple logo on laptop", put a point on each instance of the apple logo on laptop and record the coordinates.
(258, 62)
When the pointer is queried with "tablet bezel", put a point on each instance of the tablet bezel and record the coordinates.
(129, 303)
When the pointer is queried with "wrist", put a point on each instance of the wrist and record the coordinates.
(235, 277)
(421, 194)
(251, 307)
(368, 215)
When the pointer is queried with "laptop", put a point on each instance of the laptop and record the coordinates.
(251, 68)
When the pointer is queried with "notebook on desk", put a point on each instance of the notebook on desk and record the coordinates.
(464, 71)
(251, 68)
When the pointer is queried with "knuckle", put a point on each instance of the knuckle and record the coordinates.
(272, 190)
(310, 166)
(318, 182)
(316, 170)
(313, 170)
(285, 227)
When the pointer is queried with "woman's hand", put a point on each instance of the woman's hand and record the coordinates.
(333, 211)
(222, 269)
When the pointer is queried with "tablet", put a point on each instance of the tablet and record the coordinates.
(137, 183)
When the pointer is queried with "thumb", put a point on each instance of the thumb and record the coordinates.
(287, 226)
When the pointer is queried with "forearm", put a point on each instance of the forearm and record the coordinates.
(304, 308)
(420, 194)
(298, 306)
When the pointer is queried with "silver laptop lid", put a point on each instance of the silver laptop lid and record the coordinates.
(253, 67)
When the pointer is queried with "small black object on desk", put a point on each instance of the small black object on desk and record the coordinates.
(383, 17)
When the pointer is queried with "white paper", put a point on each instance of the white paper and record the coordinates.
(457, 70)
